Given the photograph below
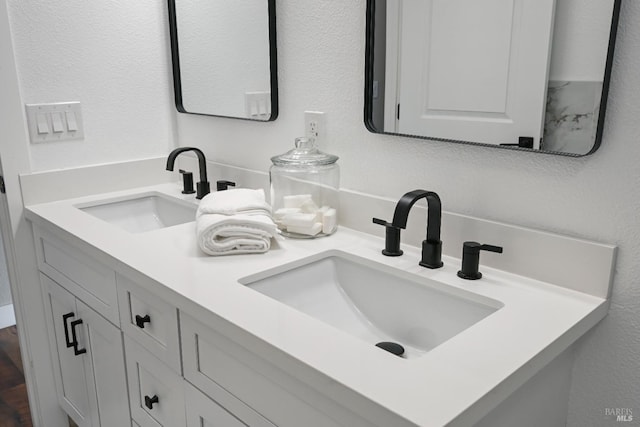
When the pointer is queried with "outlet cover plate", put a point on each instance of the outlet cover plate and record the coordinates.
(315, 125)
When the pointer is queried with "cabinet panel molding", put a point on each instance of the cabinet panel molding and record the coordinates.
(217, 365)
(150, 321)
(83, 276)
(156, 392)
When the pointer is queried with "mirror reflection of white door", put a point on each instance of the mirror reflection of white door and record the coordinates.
(473, 70)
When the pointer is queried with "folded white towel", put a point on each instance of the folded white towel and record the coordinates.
(234, 222)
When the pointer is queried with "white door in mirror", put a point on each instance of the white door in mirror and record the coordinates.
(482, 73)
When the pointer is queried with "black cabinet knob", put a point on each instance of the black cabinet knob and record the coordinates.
(141, 320)
(150, 401)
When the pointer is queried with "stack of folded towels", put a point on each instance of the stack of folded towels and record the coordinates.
(234, 221)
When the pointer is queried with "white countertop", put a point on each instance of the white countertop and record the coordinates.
(456, 383)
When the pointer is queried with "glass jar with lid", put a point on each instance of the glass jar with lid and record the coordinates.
(304, 191)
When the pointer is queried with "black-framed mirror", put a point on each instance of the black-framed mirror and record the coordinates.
(526, 74)
(224, 58)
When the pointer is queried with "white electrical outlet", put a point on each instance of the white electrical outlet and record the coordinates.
(315, 125)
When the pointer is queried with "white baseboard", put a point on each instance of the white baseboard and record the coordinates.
(7, 316)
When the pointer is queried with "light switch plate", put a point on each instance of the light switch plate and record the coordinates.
(62, 122)
(257, 105)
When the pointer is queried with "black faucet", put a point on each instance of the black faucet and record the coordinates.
(471, 259)
(202, 187)
(432, 246)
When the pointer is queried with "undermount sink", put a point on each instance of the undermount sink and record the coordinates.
(374, 302)
(142, 213)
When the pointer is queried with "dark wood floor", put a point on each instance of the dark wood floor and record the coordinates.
(14, 405)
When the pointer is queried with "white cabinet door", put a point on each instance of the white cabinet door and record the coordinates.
(69, 366)
(474, 71)
(104, 367)
(89, 369)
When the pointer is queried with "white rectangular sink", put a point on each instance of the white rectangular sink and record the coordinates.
(143, 212)
(374, 302)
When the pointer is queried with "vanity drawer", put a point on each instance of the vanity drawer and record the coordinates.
(202, 411)
(83, 276)
(219, 366)
(150, 321)
(156, 393)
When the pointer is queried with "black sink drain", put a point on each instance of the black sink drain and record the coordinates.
(391, 347)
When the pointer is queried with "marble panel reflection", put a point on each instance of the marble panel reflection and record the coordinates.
(571, 119)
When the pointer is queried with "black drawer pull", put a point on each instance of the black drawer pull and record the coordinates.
(76, 350)
(65, 320)
(141, 320)
(149, 401)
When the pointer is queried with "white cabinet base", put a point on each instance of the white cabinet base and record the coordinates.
(541, 401)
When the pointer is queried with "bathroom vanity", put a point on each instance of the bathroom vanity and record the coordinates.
(148, 331)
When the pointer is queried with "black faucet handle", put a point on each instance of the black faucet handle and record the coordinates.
(491, 248)
(223, 185)
(392, 238)
(471, 259)
(381, 222)
(187, 182)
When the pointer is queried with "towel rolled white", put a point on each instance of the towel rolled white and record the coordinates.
(236, 221)
(231, 202)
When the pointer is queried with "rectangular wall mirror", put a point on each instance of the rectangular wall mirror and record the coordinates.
(525, 74)
(224, 57)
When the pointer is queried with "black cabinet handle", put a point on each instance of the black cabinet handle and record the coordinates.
(149, 401)
(65, 320)
(76, 350)
(141, 320)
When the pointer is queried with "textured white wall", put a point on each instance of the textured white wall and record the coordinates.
(321, 67)
(113, 58)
